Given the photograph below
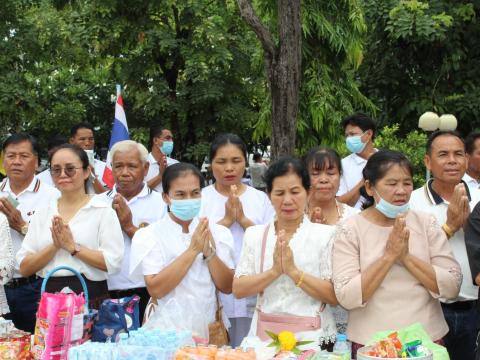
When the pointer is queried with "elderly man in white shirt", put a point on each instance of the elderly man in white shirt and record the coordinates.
(359, 132)
(21, 193)
(448, 198)
(137, 206)
(83, 135)
(161, 147)
(472, 147)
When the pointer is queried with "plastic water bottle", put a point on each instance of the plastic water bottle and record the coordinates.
(342, 347)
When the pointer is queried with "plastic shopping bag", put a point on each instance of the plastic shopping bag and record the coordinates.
(181, 314)
(60, 321)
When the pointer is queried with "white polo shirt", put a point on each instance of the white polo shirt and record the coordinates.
(471, 182)
(45, 177)
(427, 200)
(352, 167)
(36, 196)
(155, 168)
(147, 207)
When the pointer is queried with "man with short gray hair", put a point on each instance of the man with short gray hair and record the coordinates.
(137, 206)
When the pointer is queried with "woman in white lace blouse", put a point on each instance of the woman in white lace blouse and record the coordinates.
(6, 261)
(287, 263)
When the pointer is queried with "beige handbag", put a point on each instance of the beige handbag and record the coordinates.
(217, 332)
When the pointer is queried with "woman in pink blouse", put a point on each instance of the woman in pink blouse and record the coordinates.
(391, 264)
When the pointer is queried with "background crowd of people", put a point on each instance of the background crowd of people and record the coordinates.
(320, 245)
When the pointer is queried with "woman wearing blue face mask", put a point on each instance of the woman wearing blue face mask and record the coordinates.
(183, 256)
(392, 264)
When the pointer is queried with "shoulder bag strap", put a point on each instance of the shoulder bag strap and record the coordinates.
(262, 254)
(218, 313)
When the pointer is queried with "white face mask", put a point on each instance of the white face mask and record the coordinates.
(390, 210)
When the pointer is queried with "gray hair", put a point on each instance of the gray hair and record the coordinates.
(126, 145)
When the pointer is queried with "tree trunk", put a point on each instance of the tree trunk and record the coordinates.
(283, 67)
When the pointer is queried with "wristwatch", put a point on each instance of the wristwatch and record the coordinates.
(76, 250)
(24, 229)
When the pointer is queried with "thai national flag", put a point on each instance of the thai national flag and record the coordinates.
(119, 133)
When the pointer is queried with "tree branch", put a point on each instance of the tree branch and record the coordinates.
(265, 37)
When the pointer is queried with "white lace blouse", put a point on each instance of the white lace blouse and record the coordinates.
(312, 249)
(6, 261)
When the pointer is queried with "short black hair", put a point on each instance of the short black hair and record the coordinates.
(363, 121)
(81, 125)
(177, 170)
(226, 139)
(438, 133)
(283, 166)
(55, 141)
(470, 142)
(319, 157)
(21, 137)
(155, 131)
(257, 156)
(378, 165)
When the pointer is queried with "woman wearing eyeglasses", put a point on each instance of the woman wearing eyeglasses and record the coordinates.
(76, 230)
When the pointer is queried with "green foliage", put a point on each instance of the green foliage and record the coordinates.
(332, 45)
(412, 145)
(422, 56)
(186, 64)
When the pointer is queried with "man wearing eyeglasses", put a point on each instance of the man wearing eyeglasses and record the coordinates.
(137, 206)
(21, 193)
(161, 147)
(83, 135)
(359, 132)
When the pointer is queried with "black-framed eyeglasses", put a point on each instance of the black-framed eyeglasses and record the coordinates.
(69, 170)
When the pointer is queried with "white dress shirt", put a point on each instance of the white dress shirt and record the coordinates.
(258, 208)
(147, 207)
(165, 242)
(427, 200)
(352, 167)
(95, 226)
(7, 263)
(471, 182)
(154, 169)
(36, 195)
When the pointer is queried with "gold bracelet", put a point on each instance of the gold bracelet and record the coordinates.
(448, 230)
(301, 280)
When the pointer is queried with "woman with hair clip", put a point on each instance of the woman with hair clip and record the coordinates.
(392, 264)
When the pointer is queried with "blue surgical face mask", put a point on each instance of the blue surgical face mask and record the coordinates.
(186, 209)
(389, 210)
(167, 147)
(355, 144)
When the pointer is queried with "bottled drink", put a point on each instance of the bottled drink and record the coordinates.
(342, 347)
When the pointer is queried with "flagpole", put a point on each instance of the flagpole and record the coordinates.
(119, 89)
